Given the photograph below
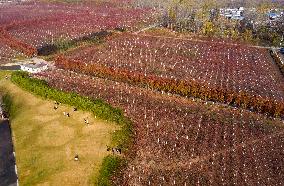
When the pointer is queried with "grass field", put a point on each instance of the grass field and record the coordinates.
(46, 141)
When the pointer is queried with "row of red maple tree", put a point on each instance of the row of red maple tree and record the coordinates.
(188, 88)
(16, 44)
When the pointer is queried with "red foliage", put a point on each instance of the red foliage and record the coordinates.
(7, 53)
(39, 23)
(188, 88)
(15, 44)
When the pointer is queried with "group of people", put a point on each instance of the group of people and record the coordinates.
(67, 114)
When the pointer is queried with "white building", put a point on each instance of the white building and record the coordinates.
(34, 67)
(232, 13)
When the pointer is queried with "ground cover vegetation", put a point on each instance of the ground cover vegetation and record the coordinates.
(182, 141)
(55, 139)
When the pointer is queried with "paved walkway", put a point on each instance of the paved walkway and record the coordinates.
(8, 176)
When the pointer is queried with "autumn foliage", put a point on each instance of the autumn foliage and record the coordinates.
(16, 44)
(181, 87)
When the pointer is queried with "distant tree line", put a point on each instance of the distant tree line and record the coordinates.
(202, 17)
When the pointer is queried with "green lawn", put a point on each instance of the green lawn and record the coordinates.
(46, 141)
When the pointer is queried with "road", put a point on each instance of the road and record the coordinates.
(8, 176)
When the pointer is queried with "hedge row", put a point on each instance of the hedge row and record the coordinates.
(99, 108)
(188, 88)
